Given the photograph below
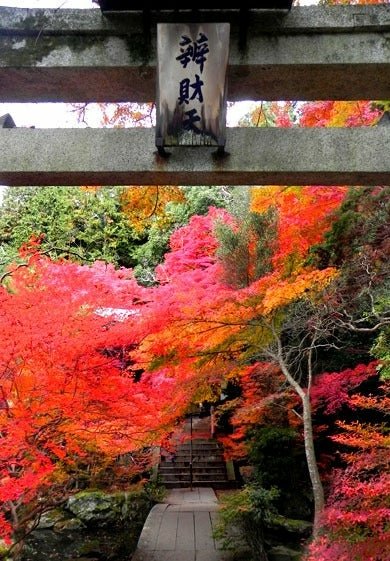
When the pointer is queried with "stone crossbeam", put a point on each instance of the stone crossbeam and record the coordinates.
(336, 52)
(302, 156)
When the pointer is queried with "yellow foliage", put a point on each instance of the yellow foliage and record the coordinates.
(142, 204)
(305, 284)
(262, 198)
(90, 188)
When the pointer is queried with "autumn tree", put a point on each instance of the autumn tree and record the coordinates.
(274, 317)
(246, 248)
(68, 399)
(355, 519)
(174, 213)
(339, 113)
(126, 226)
(145, 204)
(288, 315)
(358, 245)
(315, 113)
(357, 305)
(361, 2)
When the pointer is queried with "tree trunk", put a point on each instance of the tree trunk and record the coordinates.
(318, 490)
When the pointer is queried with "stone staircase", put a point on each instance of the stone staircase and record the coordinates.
(207, 468)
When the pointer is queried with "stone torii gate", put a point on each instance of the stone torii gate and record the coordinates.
(313, 53)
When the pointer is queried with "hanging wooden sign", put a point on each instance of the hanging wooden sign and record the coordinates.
(191, 84)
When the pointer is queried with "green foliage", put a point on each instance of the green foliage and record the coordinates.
(148, 255)
(200, 199)
(89, 224)
(155, 490)
(271, 452)
(245, 252)
(358, 244)
(361, 222)
(279, 462)
(3, 551)
(243, 516)
(381, 350)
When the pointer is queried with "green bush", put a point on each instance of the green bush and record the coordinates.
(155, 490)
(278, 458)
(242, 519)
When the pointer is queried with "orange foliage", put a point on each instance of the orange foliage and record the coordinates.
(127, 114)
(356, 2)
(265, 401)
(145, 203)
(304, 215)
(303, 285)
(90, 188)
(339, 114)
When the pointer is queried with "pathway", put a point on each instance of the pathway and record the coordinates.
(180, 529)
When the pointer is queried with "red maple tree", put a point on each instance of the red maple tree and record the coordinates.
(67, 396)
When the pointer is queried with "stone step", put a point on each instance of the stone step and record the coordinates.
(199, 451)
(187, 458)
(173, 473)
(184, 461)
(209, 451)
(195, 483)
(199, 477)
(198, 465)
(200, 440)
(200, 445)
(196, 450)
(196, 477)
(208, 464)
(173, 466)
(196, 446)
(195, 462)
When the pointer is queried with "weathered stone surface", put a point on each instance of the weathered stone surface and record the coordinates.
(97, 508)
(107, 528)
(337, 52)
(94, 507)
(291, 525)
(50, 518)
(313, 19)
(101, 509)
(354, 156)
(71, 524)
(282, 553)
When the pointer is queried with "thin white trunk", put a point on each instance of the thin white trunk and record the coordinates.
(318, 490)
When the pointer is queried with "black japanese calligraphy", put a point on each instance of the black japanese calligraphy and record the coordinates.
(193, 51)
(192, 118)
(184, 90)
